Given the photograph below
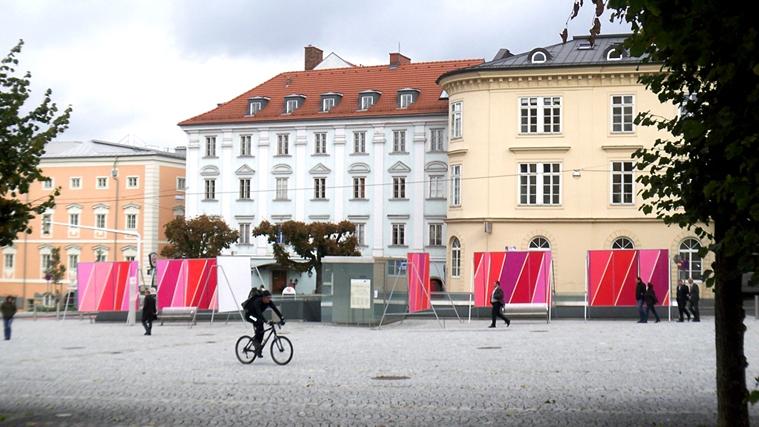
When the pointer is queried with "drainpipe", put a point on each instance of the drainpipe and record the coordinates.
(26, 261)
(115, 176)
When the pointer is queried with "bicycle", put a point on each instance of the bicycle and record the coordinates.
(281, 347)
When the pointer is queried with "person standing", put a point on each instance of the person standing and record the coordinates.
(694, 297)
(496, 300)
(682, 299)
(651, 301)
(9, 310)
(640, 292)
(149, 312)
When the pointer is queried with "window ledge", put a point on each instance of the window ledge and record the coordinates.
(398, 200)
(247, 156)
(436, 198)
(282, 200)
(244, 200)
(397, 246)
(320, 155)
(359, 154)
(359, 200)
(320, 200)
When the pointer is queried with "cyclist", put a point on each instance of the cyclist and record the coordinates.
(254, 313)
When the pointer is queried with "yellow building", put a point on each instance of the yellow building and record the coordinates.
(540, 159)
(103, 185)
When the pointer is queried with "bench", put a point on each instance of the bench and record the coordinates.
(527, 310)
(575, 299)
(178, 313)
(88, 314)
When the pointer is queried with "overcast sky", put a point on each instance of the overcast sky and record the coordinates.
(139, 67)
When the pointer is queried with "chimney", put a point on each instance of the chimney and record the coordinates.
(397, 59)
(313, 57)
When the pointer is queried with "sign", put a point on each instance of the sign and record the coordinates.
(401, 265)
(152, 259)
(361, 293)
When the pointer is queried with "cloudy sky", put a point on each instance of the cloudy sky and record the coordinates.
(132, 69)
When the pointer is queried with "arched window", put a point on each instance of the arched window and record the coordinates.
(538, 58)
(614, 55)
(691, 261)
(539, 244)
(455, 258)
(622, 243)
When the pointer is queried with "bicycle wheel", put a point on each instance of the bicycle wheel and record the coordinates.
(281, 350)
(245, 350)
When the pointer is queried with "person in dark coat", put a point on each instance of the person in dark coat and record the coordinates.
(640, 292)
(8, 309)
(694, 297)
(496, 299)
(651, 301)
(149, 312)
(682, 299)
(254, 313)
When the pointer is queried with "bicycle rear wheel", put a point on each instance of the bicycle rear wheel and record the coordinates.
(281, 350)
(245, 350)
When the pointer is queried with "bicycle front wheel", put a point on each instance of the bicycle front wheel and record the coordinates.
(281, 350)
(245, 350)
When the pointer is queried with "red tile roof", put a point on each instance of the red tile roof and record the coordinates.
(347, 81)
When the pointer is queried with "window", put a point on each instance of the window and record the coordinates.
(46, 224)
(254, 108)
(614, 55)
(292, 105)
(75, 183)
(131, 221)
(437, 187)
(210, 189)
(320, 143)
(73, 219)
(47, 184)
(328, 104)
(244, 189)
(45, 262)
(320, 188)
(455, 258)
(540, 114)
(181, 183)
(622, 243)
(539, 244)
(133, 182)
(367, 101)
(538, 58)
(691, 261)
(9, 261)
(100, 220)
(101, 255)
(73, 262)
(399, 187)
(540, 183)
(456, 185)
(361, 234)
(359, 142)
(280, 236)
(436, 235)
(359, 188)
(437, 139)
(210, 146)
(622, 183)
(622, 113)
(244, 234)
(399, 141)
(129, 258)
(245, 148)
(406, 99)
(102, 182)
(283, 144)
(281, 189)
(399, 234)
(456, 108)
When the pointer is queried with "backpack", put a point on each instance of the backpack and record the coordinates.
(248, 303)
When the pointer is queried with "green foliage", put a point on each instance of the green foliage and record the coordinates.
(22, 141)
(200, 237)
(55, 270)
(311, 242)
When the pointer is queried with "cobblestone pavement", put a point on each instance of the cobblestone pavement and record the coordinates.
(566, 373)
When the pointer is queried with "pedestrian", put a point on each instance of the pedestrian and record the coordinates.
(682, 299)
(496, 299)
(9, 310)
(694, 297)
(640, 292)
(149, 312)
(651, 301)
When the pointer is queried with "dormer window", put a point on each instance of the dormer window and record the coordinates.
(330, 100)
(614, 54)
(256, 104)
(406, 97)
(368, 98)
(293, 102)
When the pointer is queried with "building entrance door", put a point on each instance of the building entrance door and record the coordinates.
(278, 281)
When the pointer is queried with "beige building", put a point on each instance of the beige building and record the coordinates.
(540, 159)
(103, 185)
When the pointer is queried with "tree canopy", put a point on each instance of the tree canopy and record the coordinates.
(310, 242)
(55, 270)
(23, 136)
(200, 237)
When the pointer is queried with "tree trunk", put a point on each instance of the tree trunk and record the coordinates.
(729, 332)
(318, 269)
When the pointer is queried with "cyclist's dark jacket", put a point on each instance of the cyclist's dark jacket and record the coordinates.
(259, 306)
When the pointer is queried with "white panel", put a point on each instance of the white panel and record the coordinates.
(233, 282)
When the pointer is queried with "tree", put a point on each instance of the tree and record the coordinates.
(22, 141)
(707, 173)
(312, 242)
(55, 271)
(200, 237)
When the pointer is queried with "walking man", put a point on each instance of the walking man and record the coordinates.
(694, 297)
(682, 299)
(496, 299)
(640, 292)
(149, 312)
(9, 309)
